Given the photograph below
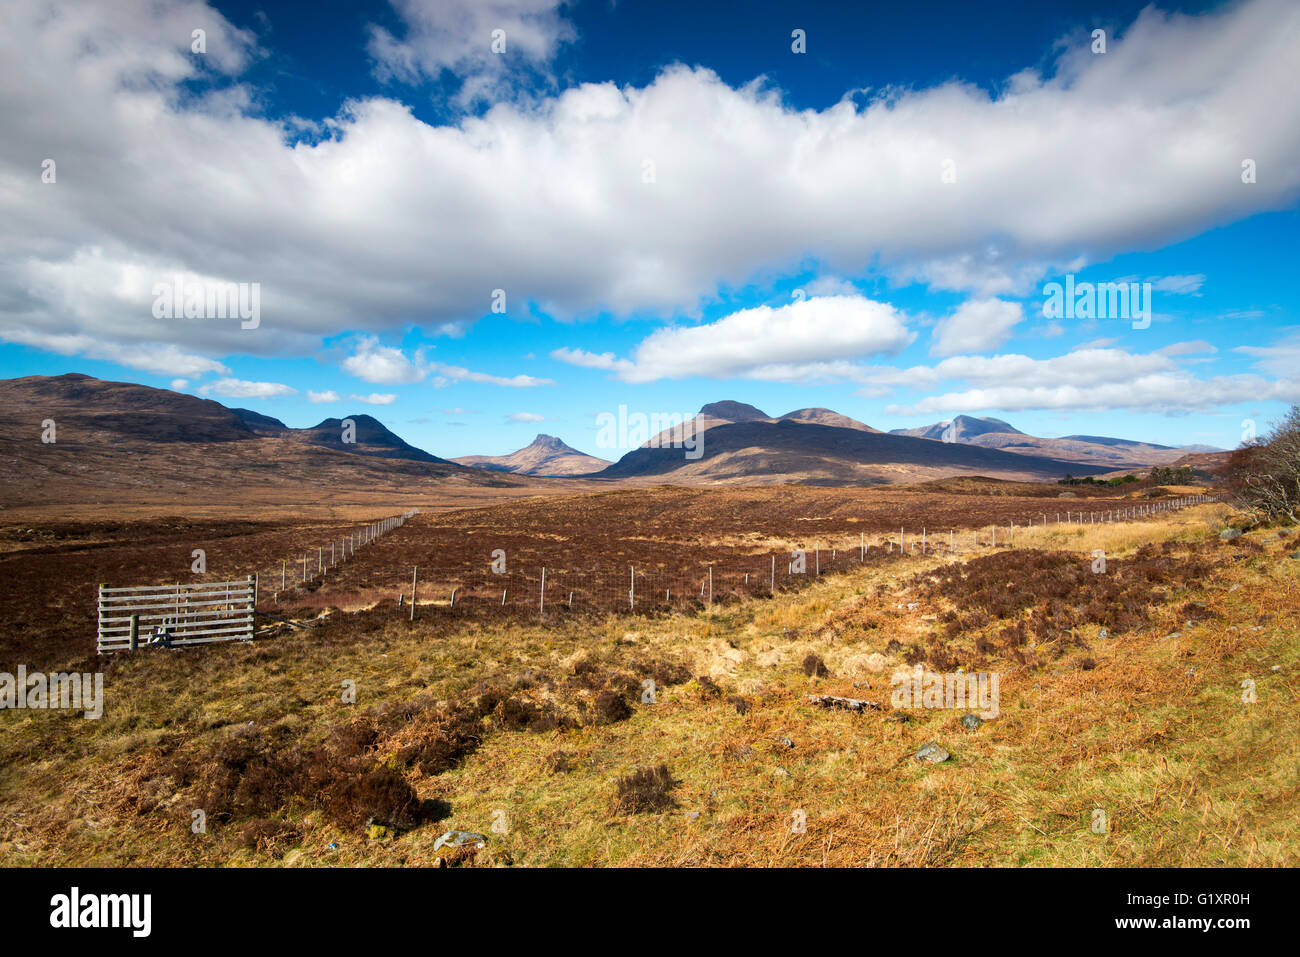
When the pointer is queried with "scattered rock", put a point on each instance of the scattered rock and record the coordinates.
(971, 721)
(454, 839)
(932, 753)
(1103, 634)
(850, 704)
(786, 743)
(1228, 534)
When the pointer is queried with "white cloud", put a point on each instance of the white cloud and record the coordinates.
(456, 35)
(1092, 379)
(388, 217)
(1095, 344)
(381, 364)
(179, 384)
(242, 389)
(1281, 359)
(1195, 348)
(317, 398)
(447, 374)
(376, 398)
(976, 326)
(590, 360)
(830, 286)
(1178, 285)
(149, 357)
(794, 342)
(525, 417)
(1169, 393)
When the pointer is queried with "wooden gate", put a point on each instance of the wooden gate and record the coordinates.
(174, 615)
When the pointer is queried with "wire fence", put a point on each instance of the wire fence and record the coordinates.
(468, 586)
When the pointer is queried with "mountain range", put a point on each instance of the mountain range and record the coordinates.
(545, 455)
(127, 437)
(77, 439)
(1097, 450)
(741, 444)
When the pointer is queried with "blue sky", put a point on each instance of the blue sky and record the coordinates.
(667, 204)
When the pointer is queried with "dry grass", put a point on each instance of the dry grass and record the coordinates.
(543, 735)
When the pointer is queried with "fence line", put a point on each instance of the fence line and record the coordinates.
(295, 573)
(652, 588)
(202, 612)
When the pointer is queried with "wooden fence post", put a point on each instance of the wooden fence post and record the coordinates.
(135, 632)
(414, 571)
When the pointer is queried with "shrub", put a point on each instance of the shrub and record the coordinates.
(609, 708)
(708, 687)
(1264, 477)
(814, 667)
(645, 790)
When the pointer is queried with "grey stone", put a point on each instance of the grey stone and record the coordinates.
(1228, 534)
(971, 721)
(932, 753)
(460, 839)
